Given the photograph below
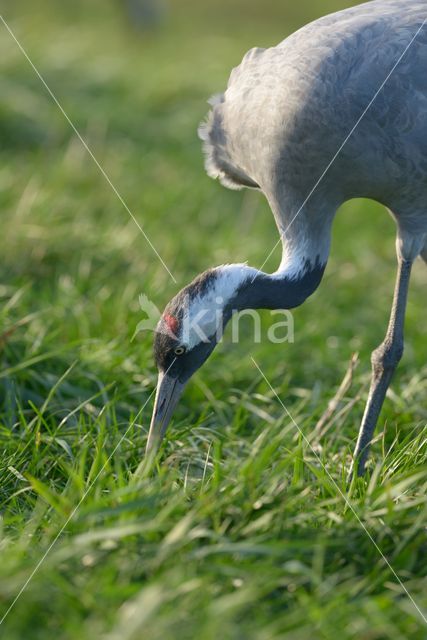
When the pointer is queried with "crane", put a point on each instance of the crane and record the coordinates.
(336, 111)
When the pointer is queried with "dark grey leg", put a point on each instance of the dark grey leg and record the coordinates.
(384, 362)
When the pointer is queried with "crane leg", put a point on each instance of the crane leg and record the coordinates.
(384, 362)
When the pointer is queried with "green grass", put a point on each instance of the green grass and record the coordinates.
(243, 531)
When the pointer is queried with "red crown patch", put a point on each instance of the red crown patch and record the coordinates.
(171, 323)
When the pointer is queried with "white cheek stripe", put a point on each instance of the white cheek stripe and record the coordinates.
(203, 316)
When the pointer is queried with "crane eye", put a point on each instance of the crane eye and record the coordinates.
(180, 350)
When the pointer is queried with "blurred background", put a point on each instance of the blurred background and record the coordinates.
(134, 77)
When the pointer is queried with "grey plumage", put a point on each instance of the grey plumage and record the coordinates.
(287, 110)
(336, 111)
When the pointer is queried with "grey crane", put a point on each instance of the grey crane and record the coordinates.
(336, 111)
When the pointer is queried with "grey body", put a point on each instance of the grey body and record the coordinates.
(336, 111)
(288, 109)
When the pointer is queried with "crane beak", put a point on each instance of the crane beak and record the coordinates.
(169, 391)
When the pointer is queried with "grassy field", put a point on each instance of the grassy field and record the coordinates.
(243, 531)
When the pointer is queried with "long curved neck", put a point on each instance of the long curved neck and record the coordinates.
(306, 235)
(214, 296)
(284, 289)
(279, 290)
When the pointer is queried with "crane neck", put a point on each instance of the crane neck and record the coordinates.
(284, 289)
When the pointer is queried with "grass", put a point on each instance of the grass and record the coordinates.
(243, 531)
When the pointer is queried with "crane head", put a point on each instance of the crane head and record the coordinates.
(187, 333)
